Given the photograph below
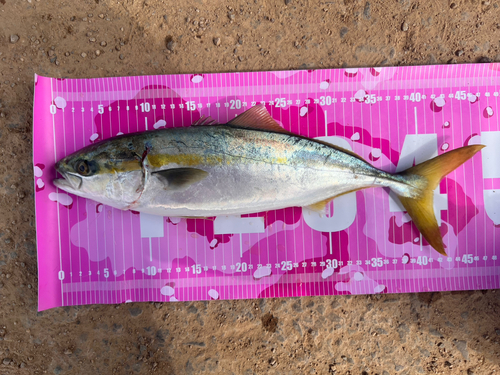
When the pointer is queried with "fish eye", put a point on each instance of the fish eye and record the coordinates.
(83, 168)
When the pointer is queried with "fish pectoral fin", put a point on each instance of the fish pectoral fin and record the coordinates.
(257, 118)
(180, 178)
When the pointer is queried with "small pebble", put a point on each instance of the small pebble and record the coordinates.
(171, 45)
(14, 38)
(122, 57)
(92, 40)
(404, 26)
(6, 361)
(97, 52)
(84, 54)
(460, 52)
(217, 41)
(103, 43)
(483, 60)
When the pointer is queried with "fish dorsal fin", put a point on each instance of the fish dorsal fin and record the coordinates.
(257, 118)
(180, 178)
(205, 120)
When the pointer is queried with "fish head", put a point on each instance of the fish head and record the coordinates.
(107, 175)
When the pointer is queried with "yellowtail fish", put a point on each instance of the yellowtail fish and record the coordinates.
(248, 165)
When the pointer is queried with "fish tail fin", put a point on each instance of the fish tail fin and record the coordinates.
(420, 205)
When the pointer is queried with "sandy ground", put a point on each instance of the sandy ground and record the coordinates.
(389, 334)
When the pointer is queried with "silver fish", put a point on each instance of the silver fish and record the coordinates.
(249, 165)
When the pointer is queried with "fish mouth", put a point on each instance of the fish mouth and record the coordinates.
(69, 181)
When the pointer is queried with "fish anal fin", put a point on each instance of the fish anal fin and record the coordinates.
(257, 118)
(180, 178)
(321, 205)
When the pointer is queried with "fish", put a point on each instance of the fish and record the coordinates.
(249, 165)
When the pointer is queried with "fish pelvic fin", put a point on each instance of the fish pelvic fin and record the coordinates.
(420, 207)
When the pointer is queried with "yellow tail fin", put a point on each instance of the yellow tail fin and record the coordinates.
(420, 208)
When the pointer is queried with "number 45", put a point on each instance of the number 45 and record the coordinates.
(467, 258)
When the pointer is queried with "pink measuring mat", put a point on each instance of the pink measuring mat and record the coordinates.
(394, 117)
